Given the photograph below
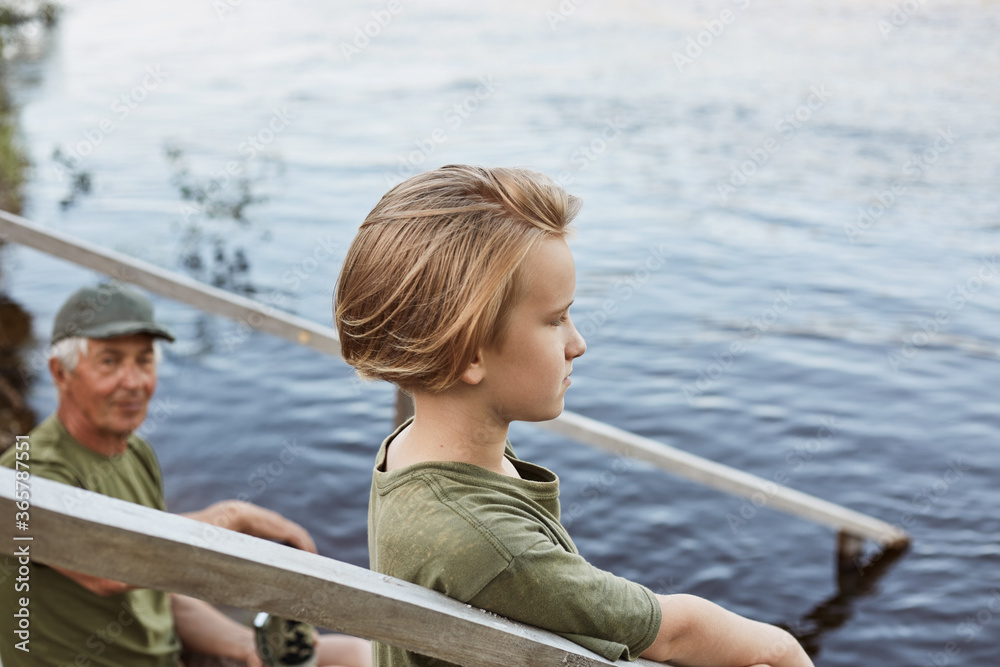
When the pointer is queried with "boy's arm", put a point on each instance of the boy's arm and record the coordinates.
(696, 632)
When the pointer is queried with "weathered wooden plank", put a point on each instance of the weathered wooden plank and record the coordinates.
(106, 537)
(172, 285)
(762, 492)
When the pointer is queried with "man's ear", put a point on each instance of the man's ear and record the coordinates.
(59, 373)
(475, 371)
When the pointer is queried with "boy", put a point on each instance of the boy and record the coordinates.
(457, 288)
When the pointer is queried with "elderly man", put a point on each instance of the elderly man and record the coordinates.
(104, 362)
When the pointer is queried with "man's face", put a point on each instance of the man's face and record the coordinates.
(112, 384)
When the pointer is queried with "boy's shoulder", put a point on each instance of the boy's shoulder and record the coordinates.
(454, 527)
(422, 530)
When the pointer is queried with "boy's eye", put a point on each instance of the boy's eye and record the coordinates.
(561, 320)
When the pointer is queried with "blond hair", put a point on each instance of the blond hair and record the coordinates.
(433, 273)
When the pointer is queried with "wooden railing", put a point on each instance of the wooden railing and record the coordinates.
(852, 527)
(106, 537)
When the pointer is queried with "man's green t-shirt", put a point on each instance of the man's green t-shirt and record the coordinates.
(495, 542)
(69, 624)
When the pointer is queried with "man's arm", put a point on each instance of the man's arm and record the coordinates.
(58, 471)
(695, 633)
(204, 629)
(254, 520)
(232, 514)
(96, 585)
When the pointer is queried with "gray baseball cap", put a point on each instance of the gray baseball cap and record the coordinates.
(106, 311)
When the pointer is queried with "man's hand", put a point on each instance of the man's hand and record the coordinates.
(204, 629)
(257, 521)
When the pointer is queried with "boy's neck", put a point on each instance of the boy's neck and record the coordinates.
(449, 430)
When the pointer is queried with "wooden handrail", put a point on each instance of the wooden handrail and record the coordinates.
(170, 284)
(762, 492)
(852, 527)
(87, 532)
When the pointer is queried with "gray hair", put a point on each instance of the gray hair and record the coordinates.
(68, 351)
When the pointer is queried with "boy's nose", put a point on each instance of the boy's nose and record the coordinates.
(577, 345)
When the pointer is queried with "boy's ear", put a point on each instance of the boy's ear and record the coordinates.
(475, 371)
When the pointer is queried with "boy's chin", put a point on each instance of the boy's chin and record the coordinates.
(545, 416)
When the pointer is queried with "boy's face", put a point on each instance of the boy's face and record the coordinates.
(527, 376)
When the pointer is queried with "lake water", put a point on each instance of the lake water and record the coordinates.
(787, 262)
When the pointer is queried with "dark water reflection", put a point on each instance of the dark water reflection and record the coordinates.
(837, 610)
(877, 336)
